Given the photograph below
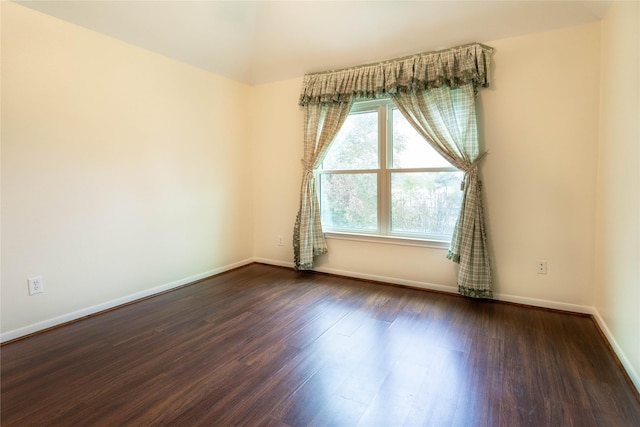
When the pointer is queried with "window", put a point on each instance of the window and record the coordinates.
(380, 177)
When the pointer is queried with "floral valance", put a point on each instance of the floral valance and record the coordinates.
(451, 67)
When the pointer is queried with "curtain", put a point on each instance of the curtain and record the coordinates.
(436, 92)
(446, 118)
(321, 124)
(451, 68)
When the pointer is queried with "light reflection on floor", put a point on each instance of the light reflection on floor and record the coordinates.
(376, 372)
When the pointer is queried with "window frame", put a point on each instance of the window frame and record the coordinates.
(383, 233)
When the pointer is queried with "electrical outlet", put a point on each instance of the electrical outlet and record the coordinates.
(541, 267)
(280, 243)
(35, 285)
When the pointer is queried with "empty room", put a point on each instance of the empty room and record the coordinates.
(330, 213)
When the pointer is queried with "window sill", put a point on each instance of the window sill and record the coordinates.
(387, 240)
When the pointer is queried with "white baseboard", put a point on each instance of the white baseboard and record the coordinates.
(633, 375)
(274, 262)
(391, 280)
(534, 302)
(78, 314)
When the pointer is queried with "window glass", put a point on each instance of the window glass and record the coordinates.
(425, 202)
(356, 145)
(349, 201)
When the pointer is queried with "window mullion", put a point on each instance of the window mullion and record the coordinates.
(384, 185)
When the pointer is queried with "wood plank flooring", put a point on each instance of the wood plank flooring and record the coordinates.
(267, 346)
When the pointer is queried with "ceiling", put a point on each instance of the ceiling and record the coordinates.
(258, 42)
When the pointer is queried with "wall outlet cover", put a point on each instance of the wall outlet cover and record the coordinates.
(35, 285)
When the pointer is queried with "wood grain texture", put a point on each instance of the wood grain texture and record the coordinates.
(267, 346)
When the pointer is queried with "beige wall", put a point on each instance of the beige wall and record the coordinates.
(277, 126)
(540, 125)
(617, 298)
(122, 171)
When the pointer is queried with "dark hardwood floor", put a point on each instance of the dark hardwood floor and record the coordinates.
(266, 346)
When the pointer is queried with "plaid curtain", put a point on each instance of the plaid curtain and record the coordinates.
(446, 118)
(450, 67)
(321, 124)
